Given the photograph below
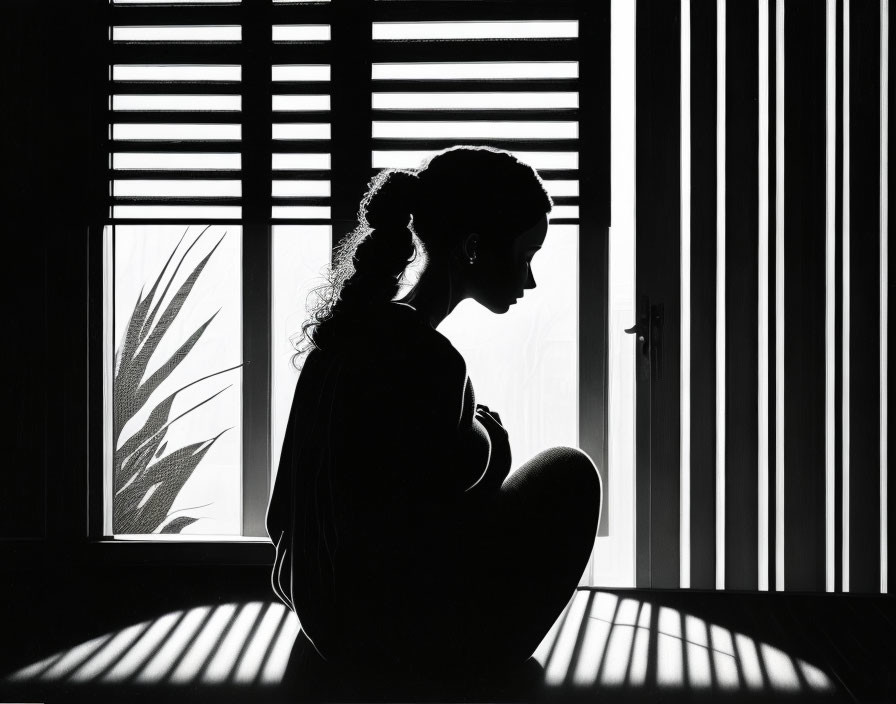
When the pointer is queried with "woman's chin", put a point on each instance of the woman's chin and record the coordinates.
(499, 307)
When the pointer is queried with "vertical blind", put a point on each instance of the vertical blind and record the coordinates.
(779, 203)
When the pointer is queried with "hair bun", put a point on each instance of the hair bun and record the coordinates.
(392, 200)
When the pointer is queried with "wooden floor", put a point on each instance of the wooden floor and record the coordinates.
(627, 645)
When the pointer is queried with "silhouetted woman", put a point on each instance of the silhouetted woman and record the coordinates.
(402, 544)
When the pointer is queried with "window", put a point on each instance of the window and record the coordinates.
(241, 137)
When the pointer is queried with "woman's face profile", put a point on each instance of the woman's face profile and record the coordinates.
(502, 271)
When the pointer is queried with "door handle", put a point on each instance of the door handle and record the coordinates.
(649, 331)
(642, 327)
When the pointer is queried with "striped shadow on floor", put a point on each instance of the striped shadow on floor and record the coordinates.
(616, 645)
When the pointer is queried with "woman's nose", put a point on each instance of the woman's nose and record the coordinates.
(530, 281)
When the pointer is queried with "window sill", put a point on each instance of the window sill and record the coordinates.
(183, 551)
(43, 553)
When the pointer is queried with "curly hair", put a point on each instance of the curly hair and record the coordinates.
(456, 191)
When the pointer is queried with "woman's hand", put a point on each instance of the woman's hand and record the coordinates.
(500, 458)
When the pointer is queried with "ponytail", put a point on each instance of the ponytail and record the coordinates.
(369, 262)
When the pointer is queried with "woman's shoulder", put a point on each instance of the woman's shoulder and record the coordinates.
(423, 338)
(394, 335)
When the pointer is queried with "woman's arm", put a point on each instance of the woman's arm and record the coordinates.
(499, 460)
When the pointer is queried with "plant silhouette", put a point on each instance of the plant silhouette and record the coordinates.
(146, 481)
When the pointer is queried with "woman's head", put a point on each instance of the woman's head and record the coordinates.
(462, 203)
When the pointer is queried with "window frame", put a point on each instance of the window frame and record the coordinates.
(350, 52)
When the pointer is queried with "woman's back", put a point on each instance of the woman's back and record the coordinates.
(369, 489)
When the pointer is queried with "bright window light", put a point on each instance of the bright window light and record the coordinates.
(482, 129)
(204, 645)
(252, 660)
(225, 658)
(300, 162)
(298, 103)
(174, 646)
(278, 657)
(558, 667)
(164, 188)
(597, 626)
(300, 32)
(300, 72)
(684, 571)
(206, 383)
(176, 72)
(404, 159)
(300, 131)
(109, 653)
(176, 161)
(485, 70)
(476, 101)
(555, 29)
(304, 212)
(137, 655)
(724, 658)
(619, 648)
(172, 212)
(300, 189)
(699, 668)
(135, 131)
(171, 33)
(177, 102)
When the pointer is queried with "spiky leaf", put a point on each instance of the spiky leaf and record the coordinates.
(178, 524)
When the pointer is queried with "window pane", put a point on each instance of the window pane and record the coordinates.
(475, 69)
(176, 72)
(476, 30)
(300, 32)
(160, 188)
(176, 2)
(178, 388)
(406, 159)
(561, 187)
(300, 162)
(172, 33)
(302, 212)
(172, 161)
(300, 189)
(168, 212)
(475, 129)
(176, 102)
(300, 102)
(300, 130)
(524, 364)
(504, 100)
(565, 212)
(301, 72)
(300, 254)
(176, 131)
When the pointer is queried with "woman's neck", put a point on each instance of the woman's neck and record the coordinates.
(436, 293)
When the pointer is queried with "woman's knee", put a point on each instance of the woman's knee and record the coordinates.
(568, 481)
(581, 477)
(576, 468)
